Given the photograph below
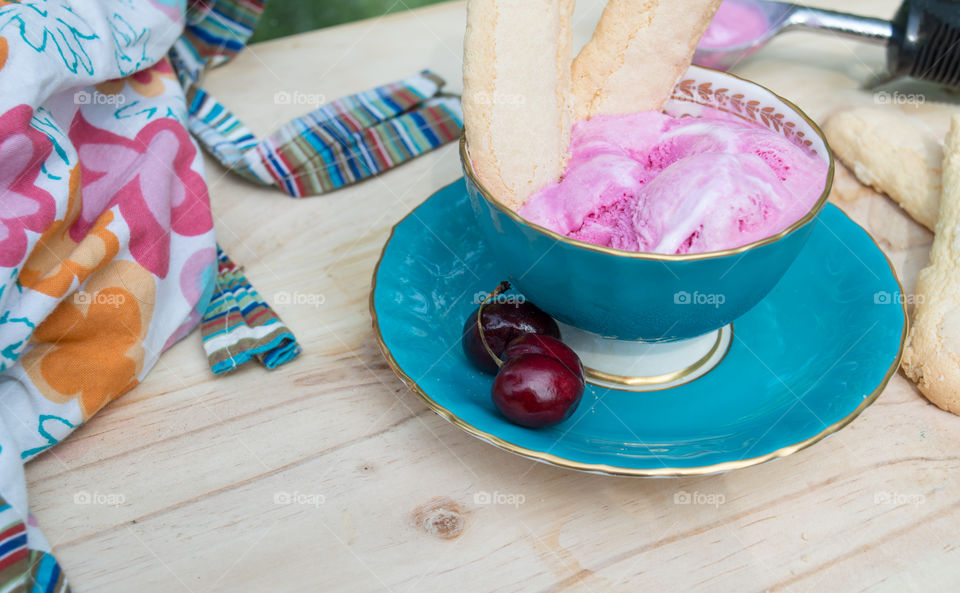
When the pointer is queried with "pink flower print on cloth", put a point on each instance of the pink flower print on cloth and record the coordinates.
(152, 181)
(23, 205)
(174, 9)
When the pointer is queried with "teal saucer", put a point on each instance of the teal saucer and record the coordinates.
(802, 364)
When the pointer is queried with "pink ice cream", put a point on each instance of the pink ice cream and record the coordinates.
(736, 23)
(650, 182)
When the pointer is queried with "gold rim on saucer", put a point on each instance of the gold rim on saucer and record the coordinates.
(626, 471)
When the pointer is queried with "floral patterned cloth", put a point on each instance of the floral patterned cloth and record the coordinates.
(107, 249)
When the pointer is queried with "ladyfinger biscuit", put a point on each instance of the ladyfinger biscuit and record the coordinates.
(516, 98)
(892, 155)
(932, 354)
(638, 51)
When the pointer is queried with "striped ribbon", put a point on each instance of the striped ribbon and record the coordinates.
(215, 31)
(340, 143)
(239, 325)
(21, 567)
(45, 574)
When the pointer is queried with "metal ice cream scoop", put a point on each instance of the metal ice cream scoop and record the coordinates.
(922, 39)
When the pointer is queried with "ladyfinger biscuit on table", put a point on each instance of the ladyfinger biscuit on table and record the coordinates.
(516, 97)
(892, 155)
(932, 354)
(638, 51)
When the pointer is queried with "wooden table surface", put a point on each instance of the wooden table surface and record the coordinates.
(329, 475)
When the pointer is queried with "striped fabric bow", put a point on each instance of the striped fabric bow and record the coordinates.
(239, 325)
(338, 144)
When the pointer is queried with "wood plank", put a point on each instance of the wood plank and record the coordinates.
(327, 474)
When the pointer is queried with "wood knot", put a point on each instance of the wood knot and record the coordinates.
(441, 517)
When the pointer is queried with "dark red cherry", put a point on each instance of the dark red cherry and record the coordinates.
(502, 323)
(548, 346)
(536, 390)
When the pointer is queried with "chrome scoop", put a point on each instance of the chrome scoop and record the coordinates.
(922, 40)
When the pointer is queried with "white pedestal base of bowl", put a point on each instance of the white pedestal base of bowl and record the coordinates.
(646, 366)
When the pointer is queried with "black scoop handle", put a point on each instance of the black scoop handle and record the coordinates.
(926, 41)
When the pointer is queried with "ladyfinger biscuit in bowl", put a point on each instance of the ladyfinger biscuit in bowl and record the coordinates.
(889, 153)
(516, 98)
(932, 354)
(637, 53)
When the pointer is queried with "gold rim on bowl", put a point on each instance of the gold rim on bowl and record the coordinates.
(809, 216)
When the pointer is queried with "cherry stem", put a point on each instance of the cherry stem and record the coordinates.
(500, 289)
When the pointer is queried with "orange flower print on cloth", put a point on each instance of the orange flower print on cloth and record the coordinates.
(146, 83)
(90, 349)
(24, 206)
(150, 178)
(107, 249)
(57, 260)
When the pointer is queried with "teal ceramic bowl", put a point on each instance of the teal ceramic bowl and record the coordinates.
(646, 296)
